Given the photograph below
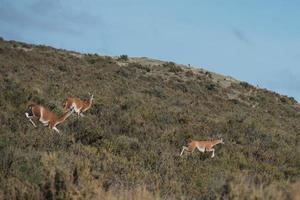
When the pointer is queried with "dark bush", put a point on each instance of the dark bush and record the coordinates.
(293, 100)
(245, 84)
(179, 86)
(123, 57)
(126, 145)
(157, 92)
(139, 66)
(7, 160)
(208, 74)
(64, 68)
(124, 72)
(211, 87)
(85, 134)
(14, 93)
(172, 67)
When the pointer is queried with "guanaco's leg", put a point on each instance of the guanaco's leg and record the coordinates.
(54, 128)
(183, 148)
(29, 117)
(32, 123)
(193, 149)
(213, 150)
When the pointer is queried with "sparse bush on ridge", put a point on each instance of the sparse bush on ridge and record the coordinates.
(123, 57)
(127, 145)
(208, 74)
(172, 67)
(139, 66)
(245, 84)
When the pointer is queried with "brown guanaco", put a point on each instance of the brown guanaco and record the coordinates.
(45, 116)
(78, 104)
(202, 146)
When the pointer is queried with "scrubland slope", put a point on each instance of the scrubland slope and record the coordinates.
(127, 146)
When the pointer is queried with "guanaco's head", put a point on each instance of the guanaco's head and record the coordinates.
(91, 97)
(28, 112)
(189, 140)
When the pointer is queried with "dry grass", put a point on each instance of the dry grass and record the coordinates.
(128, 145)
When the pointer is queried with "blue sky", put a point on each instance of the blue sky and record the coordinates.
(254, 41)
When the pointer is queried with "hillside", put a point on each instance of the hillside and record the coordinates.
(127, 145)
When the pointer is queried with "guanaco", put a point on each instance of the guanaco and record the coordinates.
(202, 146)
(45, 116)
(79, 105)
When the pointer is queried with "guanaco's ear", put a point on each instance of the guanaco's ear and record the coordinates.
(91, 95)
(222, 141)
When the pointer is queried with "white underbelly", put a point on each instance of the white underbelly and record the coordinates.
(44, 122)
(202, 149)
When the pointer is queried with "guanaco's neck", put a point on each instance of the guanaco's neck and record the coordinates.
(215, 142)
(64, 117)
(88, 103)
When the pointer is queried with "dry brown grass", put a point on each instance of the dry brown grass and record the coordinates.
(128, 144)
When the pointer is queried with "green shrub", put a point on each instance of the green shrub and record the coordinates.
(172, 67)
(211, 87)
(123, 57)
(84, 133)
(14, 93)
(64, 68)
(157, 92)
(126, 145)
(179, 86)
(208, 74)
(244, 187)
(245, 84)
(7, 160)
(140, 66)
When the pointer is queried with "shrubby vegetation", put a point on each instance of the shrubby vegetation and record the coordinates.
(123, 57)
(127, 146)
